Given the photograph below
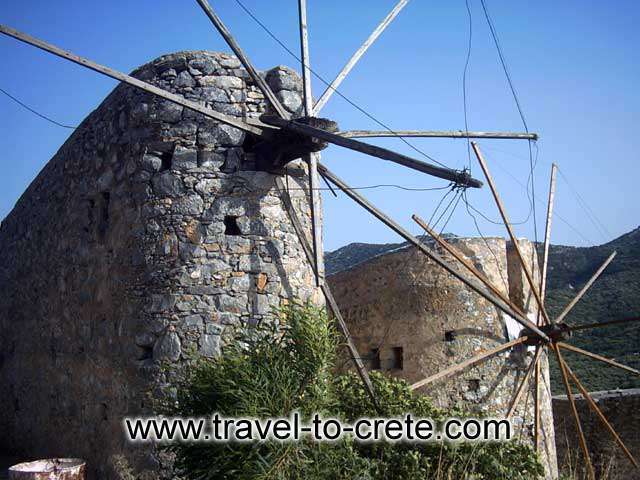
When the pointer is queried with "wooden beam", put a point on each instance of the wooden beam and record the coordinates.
(604, 324)
(574, 410)
(326, 173)
(356, 56)
(467, 264)
(525, 381)
(507, 224)
(249, 125)
(458, 177)
(586, 287)
(312, 158)
(600, 415)
(326, 291)
(595, 356)
(482, 356)
(231, 41)
(547, 231)
(536, 411)
(437, 134)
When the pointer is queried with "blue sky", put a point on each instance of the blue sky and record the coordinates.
(574, 65)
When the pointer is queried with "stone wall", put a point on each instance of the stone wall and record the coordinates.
(143, 240)
(621, 408)
(420, 320)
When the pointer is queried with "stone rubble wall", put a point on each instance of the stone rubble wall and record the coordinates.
(403, 300)
(621, 408)
(143, 241)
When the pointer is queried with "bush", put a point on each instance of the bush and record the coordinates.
(287, 365)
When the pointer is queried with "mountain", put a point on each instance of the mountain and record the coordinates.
(615, 295)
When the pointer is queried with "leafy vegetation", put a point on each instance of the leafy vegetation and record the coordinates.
(275, 369)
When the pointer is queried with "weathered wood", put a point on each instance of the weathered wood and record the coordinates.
(507, 224)
(326, 291)
(231, 41)
(604, 324)
(458, 177)
(325, 172)
(312, 158)
(484, 355)
(536, 407)
(574, 410)
(249, 125)
(467, 264)
(437, 134)
(547, 232)
(600, 415)
(356, 56)
(586, 287)
(595, 356)
(525, 381)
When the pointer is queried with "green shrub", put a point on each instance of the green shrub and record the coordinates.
(288, 365)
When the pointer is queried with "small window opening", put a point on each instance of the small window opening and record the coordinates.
(166, 161)
(231, 225)
(398, 361)
(375, 359)
(104, 214)
(474, 384)
(449, 336)
(146, 353)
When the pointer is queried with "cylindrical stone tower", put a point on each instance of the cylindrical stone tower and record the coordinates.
(147, 235)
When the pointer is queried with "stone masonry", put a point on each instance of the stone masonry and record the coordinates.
(411, 319)
(143, 240)
(621, 408)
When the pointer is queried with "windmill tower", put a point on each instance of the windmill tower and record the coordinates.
(177, 208)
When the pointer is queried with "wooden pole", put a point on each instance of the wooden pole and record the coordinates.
(586, 287)
(536, 412)
(311, 158)
(595, 356)
(231, 41)
(547, 231)
(574, 410)
(249, 125)
(325, 172)
(460, 178)
(600, 415)
(507, 224)
(437, 134)
(326, 291)
(356, 56)
(467, 264)
(525, 381)
(604, 324)
(482, 356)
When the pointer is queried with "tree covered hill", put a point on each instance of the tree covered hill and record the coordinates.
(615, 295)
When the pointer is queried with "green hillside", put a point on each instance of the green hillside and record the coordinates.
(615, 295)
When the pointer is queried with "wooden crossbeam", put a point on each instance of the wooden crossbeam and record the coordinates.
(547, 231)
(437, 134)
(244, 59)
(460, 178)
(312, 158)
(326, 291)
(600, 358)
(525, 381)
(356, 56)
(600, 415)
(482, 356)
(604, 324)
(574, 410)
(249, 125)
(479, 289)
(507, 224)
(586, 288)
(536, 409)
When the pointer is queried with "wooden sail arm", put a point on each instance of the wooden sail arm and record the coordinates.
(437, 134)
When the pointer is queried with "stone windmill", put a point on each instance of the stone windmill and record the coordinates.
(260, 139)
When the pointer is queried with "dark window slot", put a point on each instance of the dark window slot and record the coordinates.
(375, 359)
(231, 225)
(398, 361)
